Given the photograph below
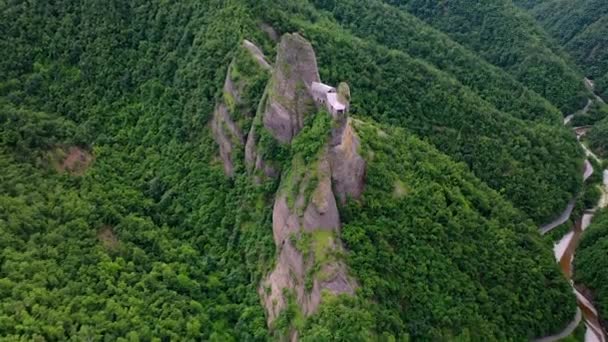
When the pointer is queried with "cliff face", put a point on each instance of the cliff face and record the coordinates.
(306, 228)
(235, 110)
(305, 220)
(289, 99)
(286, 102)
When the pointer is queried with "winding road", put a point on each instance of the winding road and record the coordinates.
(565, 249)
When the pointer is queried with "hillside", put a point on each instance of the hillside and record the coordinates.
(169, 173)
(436, 106)
(581, 27)
(506, 37)
(402, 31)
(591, 263)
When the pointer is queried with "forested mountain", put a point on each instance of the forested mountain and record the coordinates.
(506, 37)
(150, 151)
(462, 125)
(581, 27)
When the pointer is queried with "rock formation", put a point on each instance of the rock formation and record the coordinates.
(233, 110)
(305, 219)
(286, 101)
(289, 98)
(306, 229)
(347, 166)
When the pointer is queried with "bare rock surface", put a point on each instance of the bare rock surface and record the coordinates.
(347, 166)
(223, 136)
(226, 132)
(311, 223)
(257, 54)
(289, 98)
(270, 32)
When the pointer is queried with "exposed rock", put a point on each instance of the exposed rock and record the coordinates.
(270, 32)
(227, 135)
(108, 238)
(257, 54)
(306, 220)
(347, 166)
(286, 102)
(71, 159)
(313, 222)
(289, 99)
(226, 128)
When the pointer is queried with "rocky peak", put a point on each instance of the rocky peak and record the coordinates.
(306, 221)
(289, 97)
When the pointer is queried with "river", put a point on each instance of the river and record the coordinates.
(565, 249)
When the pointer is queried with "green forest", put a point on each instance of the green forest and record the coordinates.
(581, 27)
(590, 262)
(118, 222)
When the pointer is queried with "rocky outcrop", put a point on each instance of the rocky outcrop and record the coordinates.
(253, 158)
(287, 101)
(232, 111)
(227, 135)
(306, 221)
(306, 227)
(289, 97)
(347, 166)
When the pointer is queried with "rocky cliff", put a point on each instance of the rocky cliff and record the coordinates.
(286, 102)
(235, 110)
(315, 158)
(306, 221)
(306, 228)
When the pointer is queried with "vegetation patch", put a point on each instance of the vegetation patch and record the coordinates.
(108, 238)
(73, 160)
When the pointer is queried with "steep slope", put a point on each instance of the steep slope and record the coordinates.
(142, 245)
(456, 249)
(402, 31)
(232, 117)
(506, 37)
(581, 27)
(598, 138)
(510, 155)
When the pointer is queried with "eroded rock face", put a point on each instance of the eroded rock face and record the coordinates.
(306, 220)
(347, 166)
(226, 131)
(227, 135)
(289, 99)
(307, 236)
(257, 54)
(254, 161)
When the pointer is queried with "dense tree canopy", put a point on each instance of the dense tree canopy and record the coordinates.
(591, 263)
(581, 26)
(149, 238)
(508, 38)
